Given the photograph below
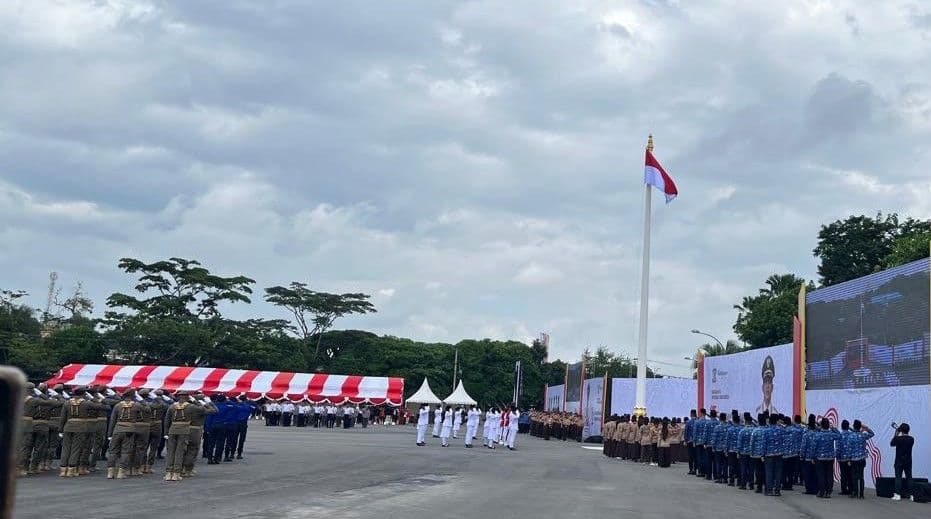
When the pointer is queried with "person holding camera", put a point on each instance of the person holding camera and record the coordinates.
(903, 444)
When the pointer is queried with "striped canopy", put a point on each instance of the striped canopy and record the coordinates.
(314, 387)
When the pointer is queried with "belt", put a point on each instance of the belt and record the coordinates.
(80, 419)
(198, 427)
(128, 423)
(39, 421)
(27, 418)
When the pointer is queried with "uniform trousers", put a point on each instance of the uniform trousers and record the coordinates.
(759, 473)
(810, 475)
(155, 439)
(789, 472)
(177, 446)
(710, 463)
(27, 444)
(733, 470)
(120, 452)
(856, 477)
(216, 436)
(421, 433)
(773, 474)
(54, 442)
(746, 471)
(192, 449)
(825, 477)
(664, 456)
(74, 449)
(720, 465)
(140, 445)
(286, 419)
(242, 428)
(40, 448)
(844, 477)
(512, 436)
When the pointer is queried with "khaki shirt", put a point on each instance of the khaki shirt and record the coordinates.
(126, 417)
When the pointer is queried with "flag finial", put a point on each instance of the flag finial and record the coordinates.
(650, 143)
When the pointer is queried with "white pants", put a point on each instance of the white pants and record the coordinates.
(504, 435)
(512, 435)
(456, 428)
(470, 432)
(445, 434)
(436, 427)
(421, 433)
(493, 438)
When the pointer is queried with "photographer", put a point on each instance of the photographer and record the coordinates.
(903, 460)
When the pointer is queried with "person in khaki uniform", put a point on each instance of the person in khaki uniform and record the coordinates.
(646, 441)
(34, 437)
(156, 416)
(675, 441)
(664, 436)
(177, 434)
(607, 435)
(78, 417)
(124, 420)
(54, 432)
(198, 412)
(633, 438)
(98, 432)
(141, 437)
(42, 430)
(621, 434)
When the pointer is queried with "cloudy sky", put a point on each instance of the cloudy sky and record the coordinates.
(476, 166)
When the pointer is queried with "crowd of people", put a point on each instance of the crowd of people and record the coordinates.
(769, 453)
(560, 425)
(500, 425)
(284, 413)
(128, 432)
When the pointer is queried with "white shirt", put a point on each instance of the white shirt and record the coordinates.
(424, 417)
(437, 415)
(473, 417)
(512, 420)
(448, 418)
(287, 408)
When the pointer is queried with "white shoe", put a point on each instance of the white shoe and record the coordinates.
(896, 497)
(912, 498)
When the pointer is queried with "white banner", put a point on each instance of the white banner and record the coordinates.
(877, 408)
(593, 398)
(667, 397)
(554, 398)
(755, 381)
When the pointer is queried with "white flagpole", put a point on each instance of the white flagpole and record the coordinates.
(640, 407)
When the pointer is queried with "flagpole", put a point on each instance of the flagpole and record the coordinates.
(640, 408)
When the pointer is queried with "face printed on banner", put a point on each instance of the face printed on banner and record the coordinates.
(768, 374)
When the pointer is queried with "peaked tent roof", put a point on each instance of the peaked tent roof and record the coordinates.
(460, 397)
(424, 395)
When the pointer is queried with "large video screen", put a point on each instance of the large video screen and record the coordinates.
(870, 332)
(574, 387)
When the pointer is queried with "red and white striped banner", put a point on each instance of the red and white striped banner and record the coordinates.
(315, 387)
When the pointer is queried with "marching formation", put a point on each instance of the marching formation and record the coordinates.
(500, 425)
(129, 433)
(284, 413)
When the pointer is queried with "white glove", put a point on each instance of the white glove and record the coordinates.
(109, 438)
(60, 435)
(166, 437)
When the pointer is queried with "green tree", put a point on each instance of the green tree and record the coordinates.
(766, 318)
(906, 249)
(860, 245)
(177, 319)
(18, 325)
(79, 344)
(315, 312)
(713, 350)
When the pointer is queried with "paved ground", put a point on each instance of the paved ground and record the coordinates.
(379, 473)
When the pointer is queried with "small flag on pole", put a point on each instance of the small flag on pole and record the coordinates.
(656, 176)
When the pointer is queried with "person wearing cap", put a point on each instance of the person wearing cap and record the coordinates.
(745, 479)
(54, 435)
(768, 372)
(177, 435)
(197, 413)
(77, 427)
(244, 410)
(141, 438)
(35, 430)
(155, 415)
(856, 453)
(98, 438)
(122, 433)
(757, 452)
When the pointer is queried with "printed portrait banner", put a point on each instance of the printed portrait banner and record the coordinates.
(593, 407)
(667, 397)
(554, 398)
(755, 381)
(574, 387)
(878, 408)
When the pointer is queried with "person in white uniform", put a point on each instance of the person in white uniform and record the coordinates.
(447, 426)
(471, 426)
(512, 427)
(457, 422)
(494, 429)
(423, 421)
(437, 421)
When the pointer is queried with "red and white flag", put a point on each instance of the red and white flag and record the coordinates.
(656, 176)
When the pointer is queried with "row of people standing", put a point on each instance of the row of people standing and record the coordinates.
(556, 424)
(285, 413)
(654, 441)
(773, 452)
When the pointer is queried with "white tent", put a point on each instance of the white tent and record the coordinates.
(460, 397)
(424, 395)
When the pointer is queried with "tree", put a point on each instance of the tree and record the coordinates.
(616, 366)
(766, 318)
(18, 325)
(860, 245)
(906, 249)
(78, 304)
(713, 350)
(315, 312)
(178, 319)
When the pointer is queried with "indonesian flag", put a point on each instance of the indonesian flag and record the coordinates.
(656, 176)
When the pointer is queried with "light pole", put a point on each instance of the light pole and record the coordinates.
(699, 332)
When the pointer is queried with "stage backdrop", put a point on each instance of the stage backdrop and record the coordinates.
(736, 381)
(575, 373)
(665, 396)
(554, 398)
(867, 358)
(592, 407)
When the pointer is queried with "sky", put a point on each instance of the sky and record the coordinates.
(475, 166)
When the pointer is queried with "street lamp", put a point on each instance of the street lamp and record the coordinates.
(699, 332)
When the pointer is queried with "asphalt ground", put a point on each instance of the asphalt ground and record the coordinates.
(380, 473)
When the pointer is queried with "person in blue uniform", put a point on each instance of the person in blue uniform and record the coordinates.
(720, 449)
(698, 442)
(772, 455)
(222, 424)
(244, 410)
(793, 445)
(743, 451)
(757, 451)
(733, 470)
(808, 457)
(687, 438)
(709, 430)
(855, 449)
(843, 458)
(826, 454)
